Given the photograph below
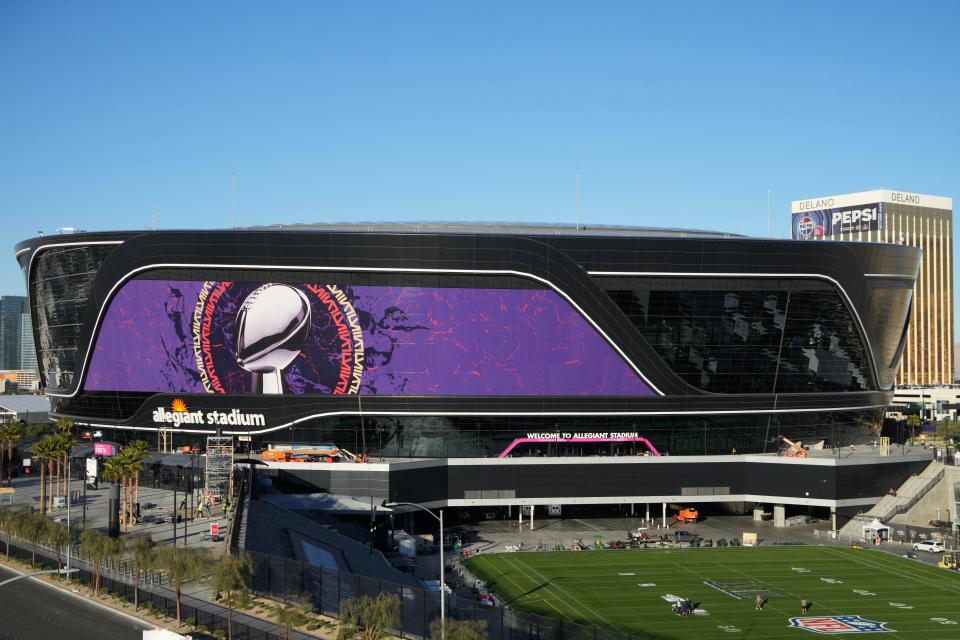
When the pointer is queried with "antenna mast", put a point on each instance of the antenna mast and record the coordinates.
(578, 198)
(233, 202)
(769, 232)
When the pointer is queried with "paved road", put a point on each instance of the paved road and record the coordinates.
(33, 611)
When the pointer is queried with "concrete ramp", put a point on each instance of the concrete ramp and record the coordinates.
(908, 495)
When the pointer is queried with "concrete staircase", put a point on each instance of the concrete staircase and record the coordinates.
(908, 495)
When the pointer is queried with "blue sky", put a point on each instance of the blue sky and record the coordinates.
(679, 114)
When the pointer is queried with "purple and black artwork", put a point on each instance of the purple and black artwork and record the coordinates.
(181, 337)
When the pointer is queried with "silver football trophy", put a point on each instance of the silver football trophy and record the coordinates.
(272, 328)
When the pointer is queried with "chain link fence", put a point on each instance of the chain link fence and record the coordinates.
(283, 578)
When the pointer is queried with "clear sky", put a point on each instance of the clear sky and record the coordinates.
(679, 114)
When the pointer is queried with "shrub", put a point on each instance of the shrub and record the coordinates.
(190, 622)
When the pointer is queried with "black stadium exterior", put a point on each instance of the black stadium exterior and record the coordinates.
(443, 350)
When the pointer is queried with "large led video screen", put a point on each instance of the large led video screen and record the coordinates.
(240, 338)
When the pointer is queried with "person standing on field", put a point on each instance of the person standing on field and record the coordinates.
(804, 605)
(759, 602)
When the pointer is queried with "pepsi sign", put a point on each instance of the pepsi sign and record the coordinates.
(820, 223)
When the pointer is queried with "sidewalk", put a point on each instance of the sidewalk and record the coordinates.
(155, 521)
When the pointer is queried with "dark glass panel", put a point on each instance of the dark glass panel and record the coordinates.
(748, 336)
(61, 281)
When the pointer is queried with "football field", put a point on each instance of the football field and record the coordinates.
(850, 591)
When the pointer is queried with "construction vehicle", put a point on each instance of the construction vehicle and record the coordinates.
(794, 449)
(686, 514)
(950, 561)
(310, 453)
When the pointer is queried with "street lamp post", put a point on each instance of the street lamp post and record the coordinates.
(443, 584)
(69, 534)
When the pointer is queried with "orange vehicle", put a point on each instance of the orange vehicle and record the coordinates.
(277, 455)
(794, 449)
(686, 514)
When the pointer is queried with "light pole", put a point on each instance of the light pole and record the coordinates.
(69, 534)
(443, 584)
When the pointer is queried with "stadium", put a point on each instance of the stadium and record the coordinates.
(660, 363)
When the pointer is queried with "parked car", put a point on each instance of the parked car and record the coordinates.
(930, 546)
(684, 536)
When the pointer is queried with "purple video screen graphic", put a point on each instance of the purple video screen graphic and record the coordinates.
(323, 339)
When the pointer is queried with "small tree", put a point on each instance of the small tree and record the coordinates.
(458, 629)
(946, 430)
(294, 613)
(57, 536)
(143, 556)
(182, 566)
(98, 548)
(113, 471)
(29, 526)
(7, 526)
(367, 618)
(913, 423)
(232, 576)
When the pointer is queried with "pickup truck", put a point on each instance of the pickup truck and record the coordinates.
(930, 546)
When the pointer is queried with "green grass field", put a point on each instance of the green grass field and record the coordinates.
(627, 590)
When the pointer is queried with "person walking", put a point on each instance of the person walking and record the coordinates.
(759, 602)
(804, 605)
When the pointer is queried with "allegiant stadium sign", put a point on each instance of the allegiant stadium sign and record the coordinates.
(179, 414)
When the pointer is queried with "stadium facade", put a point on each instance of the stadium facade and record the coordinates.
(441, 341)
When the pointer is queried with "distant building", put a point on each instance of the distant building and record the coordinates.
(27, 409)
(898, 217)
(13, 310)
(19, 381)
(28, 355)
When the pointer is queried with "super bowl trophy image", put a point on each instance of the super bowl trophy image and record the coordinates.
(272, 327)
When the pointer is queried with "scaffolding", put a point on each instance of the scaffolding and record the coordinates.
(219, 467)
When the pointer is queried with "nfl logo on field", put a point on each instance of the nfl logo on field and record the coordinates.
(839, 624)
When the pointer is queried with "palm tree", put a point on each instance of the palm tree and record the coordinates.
(66, 442)
(132, 464)
(182, 566)
(43, 451)
(231, 579)
(143, 555)
(113, 472)
(10, 434)
(913, 421)
(139, 450)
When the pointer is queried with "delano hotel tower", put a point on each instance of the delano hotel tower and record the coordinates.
(897, 217)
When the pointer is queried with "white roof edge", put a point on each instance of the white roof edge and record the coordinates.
(869, 197)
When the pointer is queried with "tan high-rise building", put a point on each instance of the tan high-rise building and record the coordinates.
(898, 217)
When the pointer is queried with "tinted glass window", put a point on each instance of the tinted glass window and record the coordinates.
(748, 336)
(62, 278)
